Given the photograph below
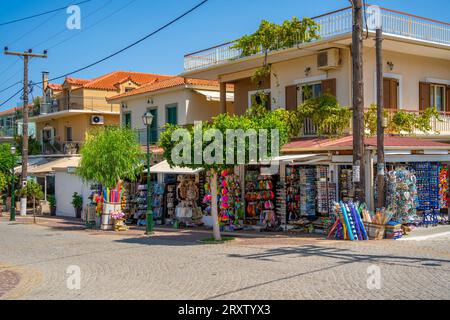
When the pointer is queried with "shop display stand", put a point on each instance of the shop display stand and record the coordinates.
(171, 202)
(292, 193)
(346, 192)
(307, 179)
(158, 203)
(141, 204)
(427, 176)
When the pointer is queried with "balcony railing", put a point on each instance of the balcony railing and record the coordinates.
(94, 104)
(62, 147)
(335, 24)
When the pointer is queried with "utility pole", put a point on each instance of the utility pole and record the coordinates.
(26, 58)
(358, 102)
(380, 120)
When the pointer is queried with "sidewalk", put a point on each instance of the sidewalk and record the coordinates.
(424, 233)
(72, 224)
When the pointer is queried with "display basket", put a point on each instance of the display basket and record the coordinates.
(375, 231)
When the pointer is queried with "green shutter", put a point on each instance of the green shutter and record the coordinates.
(171, 114)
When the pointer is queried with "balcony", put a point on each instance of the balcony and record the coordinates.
(78, 103)
(64, 147)
(335, 24)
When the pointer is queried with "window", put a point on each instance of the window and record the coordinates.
(257, 97)
(69, 134)
(309, 91)
(390, 93)
(126, 119)
(172, 113)
(438, 97)
(128, 89)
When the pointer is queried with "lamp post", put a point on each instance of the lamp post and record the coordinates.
(12, 215)
(147, 118)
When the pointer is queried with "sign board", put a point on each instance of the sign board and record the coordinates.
(71, 170)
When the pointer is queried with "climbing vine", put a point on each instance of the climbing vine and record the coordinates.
(271, 36)
(402, 121)
(329, 117)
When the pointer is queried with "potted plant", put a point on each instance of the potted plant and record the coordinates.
(77, 203)
(52, 201)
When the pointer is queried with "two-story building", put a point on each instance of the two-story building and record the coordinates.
(71, 109)
(416, 65)
(176, 100)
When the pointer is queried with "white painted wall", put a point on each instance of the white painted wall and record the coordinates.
(65, 185)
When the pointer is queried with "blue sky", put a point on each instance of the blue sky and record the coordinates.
(108, 25)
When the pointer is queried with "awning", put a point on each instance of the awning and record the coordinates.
(164, 167)
(215, 95)
(295, 158)
(48, 166)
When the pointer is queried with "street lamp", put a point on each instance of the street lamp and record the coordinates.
(12, 215)
(147, 118)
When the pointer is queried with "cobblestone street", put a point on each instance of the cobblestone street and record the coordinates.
(174, 265)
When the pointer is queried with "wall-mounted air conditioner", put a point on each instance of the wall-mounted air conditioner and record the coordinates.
(97, 120)
(329, 59)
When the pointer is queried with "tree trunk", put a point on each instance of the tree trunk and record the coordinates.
(214, 211)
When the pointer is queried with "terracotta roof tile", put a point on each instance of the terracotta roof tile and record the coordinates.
(56, 87)
(170, 83)
(112, 80)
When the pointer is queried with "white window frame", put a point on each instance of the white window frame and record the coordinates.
(253, 92)
(433, 87)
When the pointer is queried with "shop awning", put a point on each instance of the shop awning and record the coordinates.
(295, 158)
(164, 167)
(45, 166)
(215, 95)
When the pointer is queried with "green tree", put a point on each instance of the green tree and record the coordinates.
(34, 147)
(269, 120)
(7, 162)
(109, 155)
(34, 191)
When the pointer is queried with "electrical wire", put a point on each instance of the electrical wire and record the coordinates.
(40, 14)
(65, 29)
(93, 25)
(165, 26)
(15, 84)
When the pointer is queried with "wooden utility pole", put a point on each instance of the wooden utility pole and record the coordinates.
(380, 120)
(358, 102)
(26, 58)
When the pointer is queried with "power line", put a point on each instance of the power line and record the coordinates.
(10, 98)
(65, 29)
(32, 30)
(93, 25)
(133, 44)
(40, 14)
(165, 26)
(15, 84)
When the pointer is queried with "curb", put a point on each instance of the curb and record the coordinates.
(421, 238)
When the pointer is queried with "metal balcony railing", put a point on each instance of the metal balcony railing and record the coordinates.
(334, 24)
(94, 104)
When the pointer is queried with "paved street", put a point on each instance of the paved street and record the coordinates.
(173, 265)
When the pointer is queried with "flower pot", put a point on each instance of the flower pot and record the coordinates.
(78, 213)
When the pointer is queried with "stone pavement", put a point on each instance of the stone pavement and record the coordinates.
(174, 265)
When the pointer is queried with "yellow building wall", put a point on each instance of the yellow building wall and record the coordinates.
(410, 69)
(80, 124)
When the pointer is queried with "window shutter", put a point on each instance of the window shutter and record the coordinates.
(424, 95)
(329, 86)
(394, 93)
(291, 97)
(386, 94)
(447, 99)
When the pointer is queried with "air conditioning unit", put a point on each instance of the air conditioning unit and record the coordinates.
(97, 120)
(329, 59)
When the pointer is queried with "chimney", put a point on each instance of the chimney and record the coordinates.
(44, 85)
